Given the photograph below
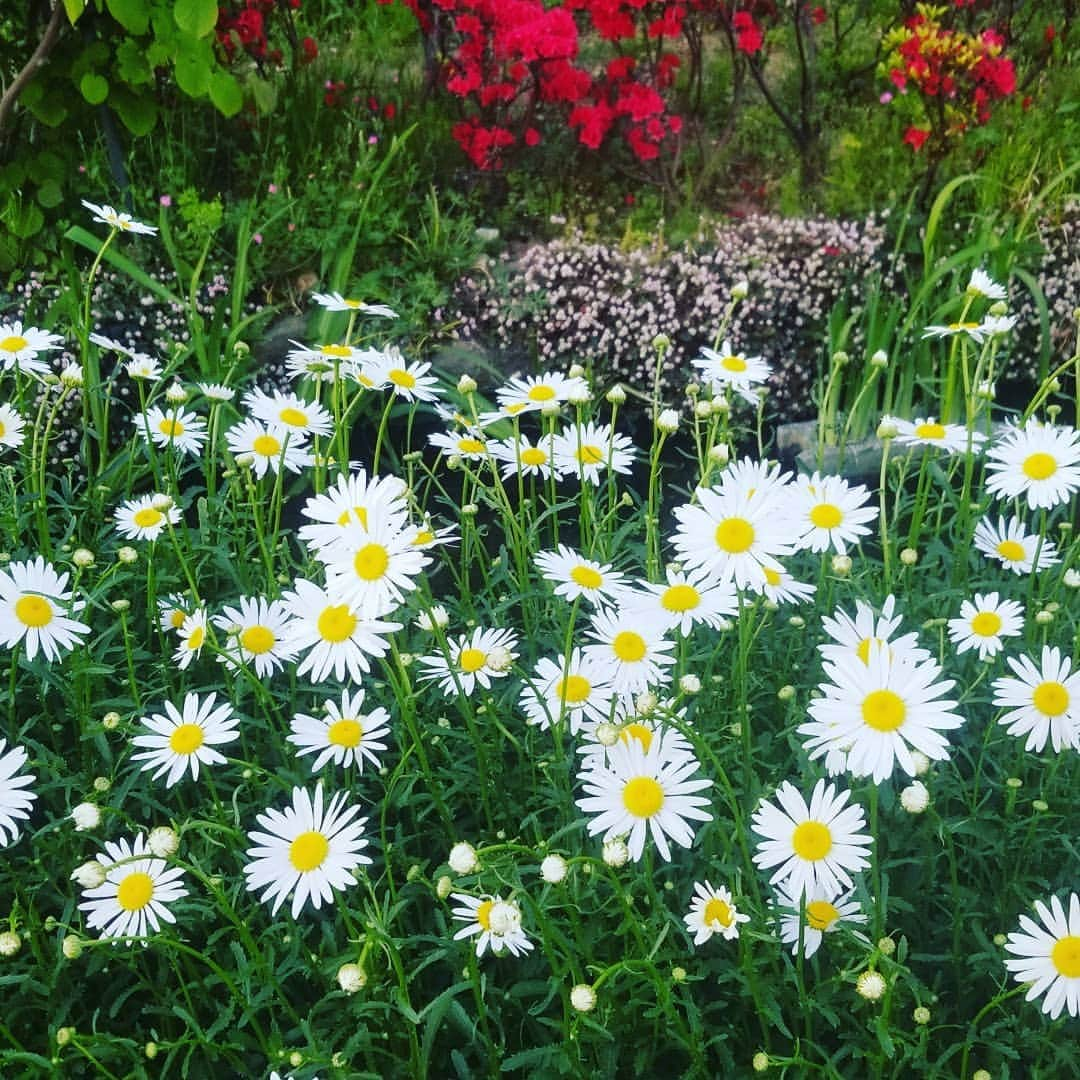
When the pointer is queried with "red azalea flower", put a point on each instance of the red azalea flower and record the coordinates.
(819, 15)
(532, 136)
(915, 137)
(310, 49)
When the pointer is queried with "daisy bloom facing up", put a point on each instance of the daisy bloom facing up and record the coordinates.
(712, 911)
(829, 512)
(290, 414)
(586, 450)
(574, 576)
(1041, 462)
(579, 692)
(1048, 956)
(952, 438)
(353, 498)
(337, 302)
(410, 381)
(183, 430)
(106, 215)
(726, 368)
(634, 648)
(15, 803)
(269, 448)
(984, 621)
(857, 636)
(471, 661)
(11, 427)
(141, 519)
(133, 900)
(822, 914)
(1044, 702)
(344, 735)
(179, 741)
(20, 347)
(306, 851)
(643, 792)
(496, 921)
(257, 635)
(815, 847)
(470, 444)
(1014, 547)
(521, 456)
(32, 605)
(534, 392)
(689, 597)
(192, 634)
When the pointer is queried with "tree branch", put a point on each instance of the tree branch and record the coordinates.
(40, 55)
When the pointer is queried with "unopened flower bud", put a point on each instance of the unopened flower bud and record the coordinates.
(921, 1015)
(871, 985)
(668, 421)
(583, 998)
(163, 841)
(606, 734)
(661, 343)
(886, 946)
(616, 395)
(90, 875)
(127, 554)
(10, 943)
(175, 394)
(86, 816)
(110, 721)
(351, 978)
(740, 290)
(720, 454)
(444, 886)
(786, 693)
(615, 852)
(463, 859)
(690, 684)
(841, 565)
(761, 1062)
(576, 371)
(466, 385)
(909, 556)
(880, 359)
(915, 798)
(72, 947)
(554, 869)
(64, 1035)
(887, 429)
(82, 558)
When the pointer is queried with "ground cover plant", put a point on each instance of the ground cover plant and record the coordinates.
(520, 747)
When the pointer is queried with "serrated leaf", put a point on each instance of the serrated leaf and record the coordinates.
(225, 93)
(95, 88)
(196, 17)
(132, 15)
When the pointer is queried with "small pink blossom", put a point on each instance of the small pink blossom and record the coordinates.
(272, 189)
(885, 98)
(257, 238)
(165, 200)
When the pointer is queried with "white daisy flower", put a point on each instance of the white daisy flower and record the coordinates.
(1043, 702)
(1041, 462)
(519, 455)
(143, 366)
(727, 368)
(780, 587)
(133, 900)
(469, 444)
(627, 727)
(856, 636)
(353, 498)
(20, 347)
(818, 912)
(289, 414)
(689, 597)
(634, 648)
(1013, 546)
(829, 512)
(982, 284)
(258, 632)
(759, 478)
(580, 691)
(141, 519)
(496, 921)
(641, 792)
(984, 620)
(217, 391)
(183, 430)
(269, 447)
(32, 605)
(410, 381)
(180, 740)
(15, 803)
(998, 325)
(878, 711)
(322, 363)
(586, 450)
(712, 912)
(11, 427)
(173, 610)
(345, 734)
(533, 392)
(336, 302)
(973, 330)
(106, 215)
(575, 576)
(192, 635)
(926, 431)
(335, 636)
(472, 660)
(1048, 956)
(815, 847)
(306, 851)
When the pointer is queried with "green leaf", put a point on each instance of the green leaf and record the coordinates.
(95, 88)
(192, 75)
(50, 194)
(132, 15)
(78, 235)
(26, 221)
(138, 114)
(74, 9)
(196, 17)
(132, 63)
(225, 93)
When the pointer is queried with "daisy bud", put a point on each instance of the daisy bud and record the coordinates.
(413, 873)
(351, 978)
(1053, 412)
(435, 619)
(886, 946)
(1044, 618)
(797, 621)
(981, 1074)
(127, 554)
(554, 869)
(82, 558)
(86, 816)
(10, 943)
(150, 1050)
(1040, 805)
(921, 762)
(668, 421)
(162, 502)
(887, 429)
(296, 1059)
(880, 359)
(551, 408)
(921, 1015)
(703, 409)
(616, 395)
(761, 1061)
(627, 499)
(110, 721)
(505, 917)
(444, 886)
(661, 343)
(986, 389)
(693, 389)
(339, 1061)
(1000, 939)
(721, 405)
(176, 394)
(583, 998)
(870, 985)
(678, 974)
(121, 605)
(915, 798)
(740, 290)
(690, 684)
(500, 659)
(786, 693)
(1014, 782)
(163, 841)
(466, 385)
(999, 308)
(606, 734)
(615, 853)
(72, 376)
(1072, 579)
(90, 875)
(576, 371)
(909, 556)
(102, 784)
(463, 859)
(841, 565)
(72, 947)
(470, 510)
(840, 358)
(64, 1035)
(719, 454)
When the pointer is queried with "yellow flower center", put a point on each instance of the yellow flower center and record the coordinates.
(424, 536)
(930, 431)
(590, 455)
(339, 352)
(643, 796)
(345, 732)
(811, 841)
(33, 611)
(471, 660)
(1050, 698)
(401, 377)
(513, 410)
(533, 455)
(963, 325)
(587, 577)
(574, 689)
(357, 512)
(371, 561)
(483, 914)
(171, 428)
(177, 617)
(1039, 466)
(820, 914)
(186, 739)
(1011, 551)
(14, 343)
(826, 515)
(1065, 956)
(986, 623)
(196, 639)
(639, 732)
(135, 891)
(470, 446)
(3, 429)
(257, 640)
(293, 417)
(733, 363)
(771, 576)
(336, 623)
(680, 598)
(717, 911)
(734, 535)
(147, 517)
(883, 710)
(266, 445)
(541, 393)
(629, 647)
(308, 851)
